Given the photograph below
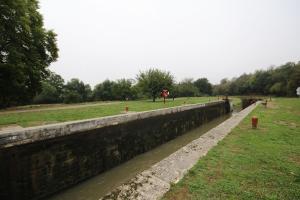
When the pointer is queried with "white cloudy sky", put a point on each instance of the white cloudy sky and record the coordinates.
(100, 39)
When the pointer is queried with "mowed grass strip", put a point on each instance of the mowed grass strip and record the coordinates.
(34, 118)
(251, 164)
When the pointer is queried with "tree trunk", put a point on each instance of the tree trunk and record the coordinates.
(153, 98)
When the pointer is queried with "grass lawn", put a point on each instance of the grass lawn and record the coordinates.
(33, 117)
(251, 164)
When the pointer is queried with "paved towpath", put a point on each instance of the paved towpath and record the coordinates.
(153, 183)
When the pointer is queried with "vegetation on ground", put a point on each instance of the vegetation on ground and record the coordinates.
(262, 163)
(35, 116)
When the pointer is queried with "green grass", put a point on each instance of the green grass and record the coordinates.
(261, 163)
(34, 118)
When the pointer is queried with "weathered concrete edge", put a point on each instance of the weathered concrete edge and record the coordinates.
(39, 133)
(153, 183)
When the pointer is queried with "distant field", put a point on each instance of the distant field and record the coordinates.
(261, 163)
(46, 114)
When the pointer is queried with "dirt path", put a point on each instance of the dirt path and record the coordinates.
(58, 107)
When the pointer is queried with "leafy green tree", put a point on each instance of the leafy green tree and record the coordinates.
(57, 81)
(174, 91)
(88, 93)
(71, 96)
(261, 81)
(76, 91)
(186, 88)
(242, 85)
(281, 81)
(137, 92)
(223, 88)
(49, 94)
(52, 89)
(104, 91)
(277, 89)
(203, 86)
(294, 81)
(153, 81)
(26, 50)
(122, 89)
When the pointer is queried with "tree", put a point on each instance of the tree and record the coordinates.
(186, 88)
(242, 85)
(71, 96)
(88, 93)
(261, 82)
(57, 81)
(203, 86)
(281, 81)
(174, 91)
(52, 89)
(26, 50)
(49, 94)
(104, 91)
(277, 89)
(76, 91)
(153, 81)
(122, 89)
(294, 81)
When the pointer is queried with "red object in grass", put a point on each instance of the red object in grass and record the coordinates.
(254, 122)
(164, 94)
(126, 109)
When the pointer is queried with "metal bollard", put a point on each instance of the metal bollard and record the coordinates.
(254, 122)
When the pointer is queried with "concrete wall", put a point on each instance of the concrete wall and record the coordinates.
(40, 161)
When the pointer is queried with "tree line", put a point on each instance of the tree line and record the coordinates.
(278, 81)
(27, 49)
(148, 84)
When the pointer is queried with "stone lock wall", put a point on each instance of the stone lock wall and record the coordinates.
(37, 162)
(247, 101)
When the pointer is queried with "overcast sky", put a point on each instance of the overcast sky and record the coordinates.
(112, 39)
